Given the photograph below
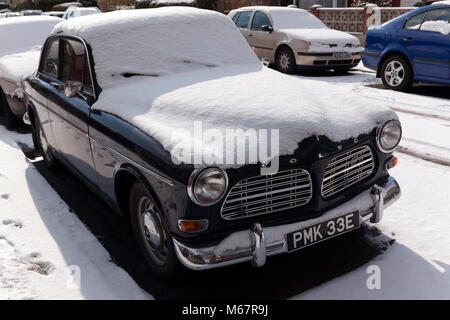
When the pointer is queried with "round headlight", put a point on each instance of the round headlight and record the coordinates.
(207, 186)
(389, 135)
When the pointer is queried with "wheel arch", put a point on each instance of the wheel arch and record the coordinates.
(390, 53)
(279, 47)
(124, 179)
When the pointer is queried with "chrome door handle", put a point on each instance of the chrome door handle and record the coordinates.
(55, 85)
(407, 39)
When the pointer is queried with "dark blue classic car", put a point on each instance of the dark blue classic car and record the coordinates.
(412, 47)
(108, 94)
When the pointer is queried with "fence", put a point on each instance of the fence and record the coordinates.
(356, 20)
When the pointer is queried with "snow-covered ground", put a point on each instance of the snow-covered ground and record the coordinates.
(45, 251)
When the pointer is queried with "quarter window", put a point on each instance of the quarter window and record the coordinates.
(243, 19)
(51, 60)
(414, 22)
(75, 65)
(260, 19)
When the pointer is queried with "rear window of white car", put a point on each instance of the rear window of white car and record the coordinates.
(296, 19)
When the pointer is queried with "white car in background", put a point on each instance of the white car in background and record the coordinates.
(294, 39)
(21, 40)
(74, 12)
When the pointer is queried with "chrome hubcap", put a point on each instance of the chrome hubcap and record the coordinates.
(284, 61)
(152, 231)
(152, 234)
(394, 73)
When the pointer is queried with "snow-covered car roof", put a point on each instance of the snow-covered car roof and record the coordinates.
(446, 2)
(157, 42)
(19, 34)
(290, 18)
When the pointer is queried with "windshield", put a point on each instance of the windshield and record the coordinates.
(296, 19)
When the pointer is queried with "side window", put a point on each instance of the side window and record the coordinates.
(242, 20)
(75, 65)
(437, 20)
(51, 60)
(414, 22)
(260, 19)
(236, 16)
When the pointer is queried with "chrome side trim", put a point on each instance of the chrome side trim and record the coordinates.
(382, 196)
(141, 167)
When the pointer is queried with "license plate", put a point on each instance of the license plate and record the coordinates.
(342, 55)
(322, 231)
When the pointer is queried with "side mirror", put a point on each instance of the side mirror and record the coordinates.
(72, 88)
(267, 28)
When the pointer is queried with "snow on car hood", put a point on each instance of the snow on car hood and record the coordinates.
(322, 38)
(242, 97)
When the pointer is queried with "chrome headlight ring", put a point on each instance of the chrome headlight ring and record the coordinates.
(194, 179)
(382, 130)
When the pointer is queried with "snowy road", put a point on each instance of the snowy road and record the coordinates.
(40, 237)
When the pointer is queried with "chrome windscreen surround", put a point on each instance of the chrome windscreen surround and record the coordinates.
(263, 195)
(347, 169)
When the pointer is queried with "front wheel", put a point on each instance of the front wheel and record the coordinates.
(396, 73)
(151, 233)
(286, 61)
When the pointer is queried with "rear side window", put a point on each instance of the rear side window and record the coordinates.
(243, 19)
(75, 65)
(415, 22)
(260, 19)
(51, 60)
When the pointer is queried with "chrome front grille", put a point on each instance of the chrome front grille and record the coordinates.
(268, 194)
(347, 169)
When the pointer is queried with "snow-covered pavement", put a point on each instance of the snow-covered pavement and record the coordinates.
(45, 251)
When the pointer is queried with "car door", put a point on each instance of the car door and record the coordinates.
(242, 22)
(69, 116)
(263, 42)
(427, 47)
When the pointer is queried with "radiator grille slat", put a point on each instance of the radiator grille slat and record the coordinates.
(268, 194)
(347, 169)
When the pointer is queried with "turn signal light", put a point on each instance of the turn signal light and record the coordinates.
(192, 226)
(392, 162)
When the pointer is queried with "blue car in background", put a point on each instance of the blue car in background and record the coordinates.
(412, 47)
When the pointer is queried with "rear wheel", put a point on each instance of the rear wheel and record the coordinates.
(151, 233)
(11, 121)
(42, 146)
(396, 73)
(286, 61)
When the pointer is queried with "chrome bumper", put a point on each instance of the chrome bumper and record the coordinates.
(256, 244)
